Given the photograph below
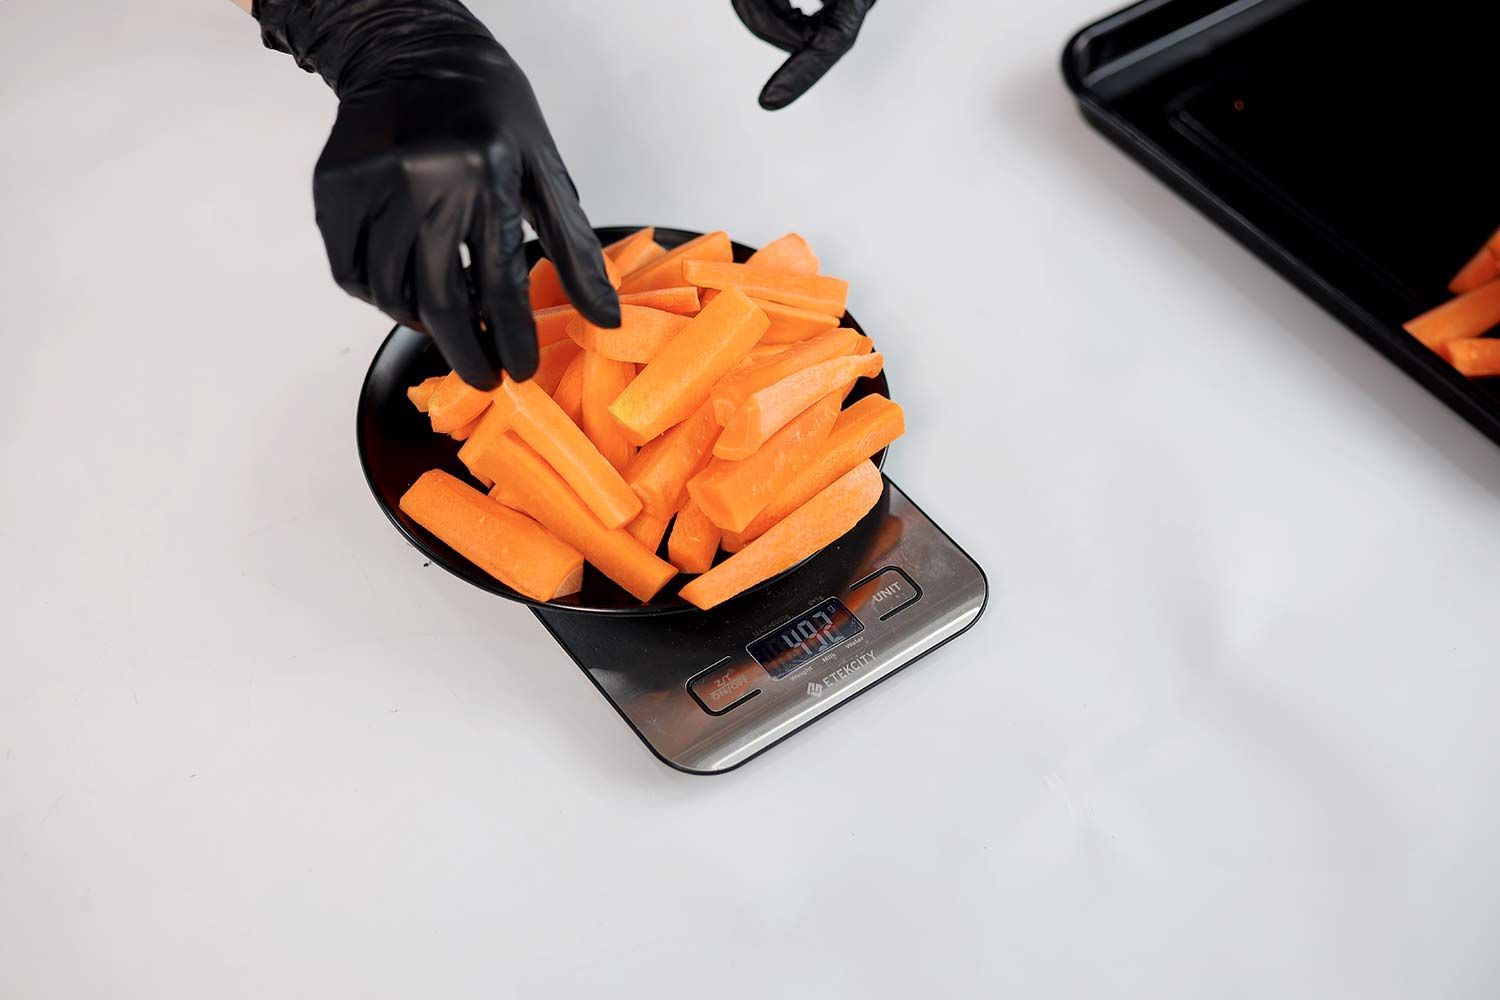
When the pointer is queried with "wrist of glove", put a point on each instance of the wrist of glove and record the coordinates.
(439, 144)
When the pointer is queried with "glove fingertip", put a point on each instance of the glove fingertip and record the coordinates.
(602, 309)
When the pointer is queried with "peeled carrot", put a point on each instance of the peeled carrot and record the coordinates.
(790, 324)
(546, 287)
(634, 250)
(455, 403)
(679, 378)
(421, 393)
(1474, 358)
(859, 432)
(666, 270)
(603, 381)
(505, 543)
(525, 481)
(694, 540)
(641, 334)
(1483, 268)
(662, 468)
(1465, 317)
(542, 424)
(822, 520)
(552, 323)
(648, 529)
(736, 387)
(493, 425)
(569, 394)
(817, 293)
(788, 254)
(553, 364)
(731, 493)
(760, 352)
(462, 434)
(770, 409)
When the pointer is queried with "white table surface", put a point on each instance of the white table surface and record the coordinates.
(1226, 729)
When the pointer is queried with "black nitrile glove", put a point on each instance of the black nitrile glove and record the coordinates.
(439, 142)
(815, 41)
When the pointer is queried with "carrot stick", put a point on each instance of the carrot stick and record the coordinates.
(732, 493)
(762, 351)
(524, 481)
(542, 424)
(666, 270)
(769, 409)
(788, 254)
(553, 364)
(694, 540)
(1467, 316)
(1474, 358)
(641, 334)
(860, 431)
(662, 468)
(603, 381)
(552, 323)
(421, 393)
(462, 434)
(455, 403)
(546, 287)
(736, 387)
(634, 250)
(817, 293)
(506, 544)
(1483, 268)
(493, 425)
(678, 379)
(569, 394)
(822, 520)
(790, 324)
(648, 529)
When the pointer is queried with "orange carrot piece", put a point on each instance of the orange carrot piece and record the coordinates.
(542, 424)
(736, 387)
(641, 334)
(789, 324)
(694, 540)
(1474, 358)
(569, 394)
(817, 293)
(648, 529)
(1483, 268)
(603, 381)
(525, 481)
(822, 520)
(789, 254)
(859, 432)
(462, 434)
(553, 364)
(679, 378)
(770, 409)
(546, 287)
(455, 403)
(421, 393)
(505, 543)
(732, 493)
(865, 346)
(666, 270)
(635, 250)
(761, 352)
(496, 422)
(1463, 318)
(552, 323)
(662, 468)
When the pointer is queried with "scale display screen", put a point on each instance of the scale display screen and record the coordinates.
(805, 638)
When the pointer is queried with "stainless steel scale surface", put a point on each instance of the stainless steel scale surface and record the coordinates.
(707, 692)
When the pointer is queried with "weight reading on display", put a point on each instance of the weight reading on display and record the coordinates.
(805, 638)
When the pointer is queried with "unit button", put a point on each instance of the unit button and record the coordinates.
(887, 592)
(726, 685)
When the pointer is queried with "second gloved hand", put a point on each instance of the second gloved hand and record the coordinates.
(815, 41)
(439, 143)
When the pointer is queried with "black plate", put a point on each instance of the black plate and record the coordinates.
(396, 445)
(1350, 146)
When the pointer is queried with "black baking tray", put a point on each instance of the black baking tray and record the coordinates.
(1351, 146)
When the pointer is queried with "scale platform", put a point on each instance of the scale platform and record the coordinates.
(707, 692)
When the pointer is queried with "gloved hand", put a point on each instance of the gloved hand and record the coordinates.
(439, 143)
(815, 41)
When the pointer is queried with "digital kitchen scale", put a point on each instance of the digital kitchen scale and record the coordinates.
(707, 690)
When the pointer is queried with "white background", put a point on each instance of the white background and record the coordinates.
(1225, 730)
